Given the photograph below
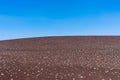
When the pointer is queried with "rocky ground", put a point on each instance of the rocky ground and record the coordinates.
(60, 58)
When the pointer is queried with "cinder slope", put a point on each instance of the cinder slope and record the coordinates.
(60, 58)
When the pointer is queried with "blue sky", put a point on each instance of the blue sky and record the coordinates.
(37, 18)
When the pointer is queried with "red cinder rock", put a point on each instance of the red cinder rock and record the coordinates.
(61, 58)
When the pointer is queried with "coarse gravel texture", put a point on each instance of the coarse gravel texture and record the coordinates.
(61, 58)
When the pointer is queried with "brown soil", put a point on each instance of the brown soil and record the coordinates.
(61, 58)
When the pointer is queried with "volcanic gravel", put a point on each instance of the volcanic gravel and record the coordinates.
(61, 58)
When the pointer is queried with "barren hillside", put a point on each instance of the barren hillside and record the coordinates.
(60, 58)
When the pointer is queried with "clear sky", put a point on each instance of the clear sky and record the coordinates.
(37, 18)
